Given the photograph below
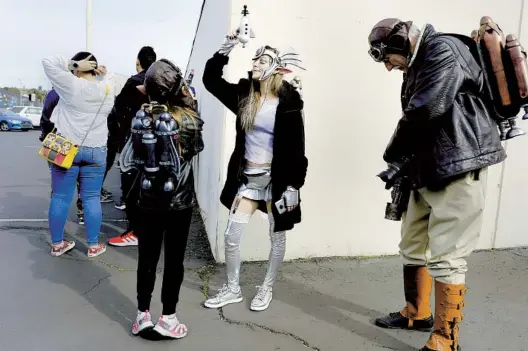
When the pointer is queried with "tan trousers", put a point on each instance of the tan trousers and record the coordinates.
(441, 228)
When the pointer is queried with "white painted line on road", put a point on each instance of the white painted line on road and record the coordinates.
(23, 220)
(7, 220)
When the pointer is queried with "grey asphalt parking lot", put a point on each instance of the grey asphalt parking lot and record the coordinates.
(327, 304)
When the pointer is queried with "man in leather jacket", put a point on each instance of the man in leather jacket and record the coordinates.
(443, 144)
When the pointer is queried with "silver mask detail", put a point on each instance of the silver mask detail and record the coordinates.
(279, 60)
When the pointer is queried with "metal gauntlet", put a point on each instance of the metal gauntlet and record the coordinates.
(228, 45)
(291, 196)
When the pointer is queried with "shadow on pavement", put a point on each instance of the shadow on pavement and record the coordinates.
(86, 278)
(326, 308)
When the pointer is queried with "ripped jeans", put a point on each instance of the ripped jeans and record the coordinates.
(236, 223)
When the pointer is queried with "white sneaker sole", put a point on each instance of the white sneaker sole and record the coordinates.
(145, 326)
(123, 244)
(222, 304)
(168, 334)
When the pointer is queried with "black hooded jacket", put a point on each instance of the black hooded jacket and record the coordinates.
(163, 83)
(46, 126)
(126, 104)
(289, 164)
(447, 127)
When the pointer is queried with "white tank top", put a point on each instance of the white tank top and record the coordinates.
(259, 142)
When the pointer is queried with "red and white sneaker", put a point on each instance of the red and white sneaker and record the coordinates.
(62, 248)
(126, 239)
(143, 322)
(170, 327)
(94, 251)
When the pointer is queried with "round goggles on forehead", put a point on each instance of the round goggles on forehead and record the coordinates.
(378, 53)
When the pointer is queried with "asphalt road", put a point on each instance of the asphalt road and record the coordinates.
(26, 182)
(73, 303)
(25, 193)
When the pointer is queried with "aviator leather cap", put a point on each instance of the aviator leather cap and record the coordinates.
(380, 32)
(163, 81)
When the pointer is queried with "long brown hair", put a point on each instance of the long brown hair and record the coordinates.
(183, 108)
(250, 105)
(182, 104)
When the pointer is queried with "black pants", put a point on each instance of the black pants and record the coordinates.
(110, 157)
(130, 183)
(155, 227)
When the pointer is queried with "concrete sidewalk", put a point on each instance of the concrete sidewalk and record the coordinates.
(72, 303)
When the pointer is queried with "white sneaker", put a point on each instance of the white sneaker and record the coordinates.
(262, 300)
(224, 297)
(143, 321)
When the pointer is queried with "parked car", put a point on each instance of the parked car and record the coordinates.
(13, 121)
(31, 112)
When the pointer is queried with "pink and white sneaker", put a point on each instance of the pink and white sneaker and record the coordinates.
(94, 251)
(170, 327)
(62, 248)
(143, 321)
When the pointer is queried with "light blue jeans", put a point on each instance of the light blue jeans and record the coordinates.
(89, 166)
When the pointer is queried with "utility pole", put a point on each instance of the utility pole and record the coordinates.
(88, 23)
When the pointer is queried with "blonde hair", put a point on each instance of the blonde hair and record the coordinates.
(250, 105)
(179, 114)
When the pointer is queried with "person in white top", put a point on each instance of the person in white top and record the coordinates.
(268, 165)
(86, 99)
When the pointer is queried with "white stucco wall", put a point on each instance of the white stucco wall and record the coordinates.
(351, 107)
(209, 164)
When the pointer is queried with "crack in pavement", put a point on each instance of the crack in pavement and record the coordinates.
(518, 254)
(386, 347)
(252, 326)
(96, 284)
(205, 274)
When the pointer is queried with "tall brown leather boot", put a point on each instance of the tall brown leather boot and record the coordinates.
(416, 315)
(449, 301)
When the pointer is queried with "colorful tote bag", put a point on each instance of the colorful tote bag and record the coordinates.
(61, 151)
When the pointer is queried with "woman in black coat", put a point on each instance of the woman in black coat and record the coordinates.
(268, 165)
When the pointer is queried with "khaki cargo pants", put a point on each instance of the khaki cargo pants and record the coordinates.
(441, 228)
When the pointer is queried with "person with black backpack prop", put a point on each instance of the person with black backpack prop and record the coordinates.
(447, 137)
(165, 136)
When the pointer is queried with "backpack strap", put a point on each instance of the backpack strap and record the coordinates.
(476, 52)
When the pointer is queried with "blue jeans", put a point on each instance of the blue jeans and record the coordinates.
(89, 166)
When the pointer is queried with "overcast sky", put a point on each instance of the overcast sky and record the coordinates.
(33, 29)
